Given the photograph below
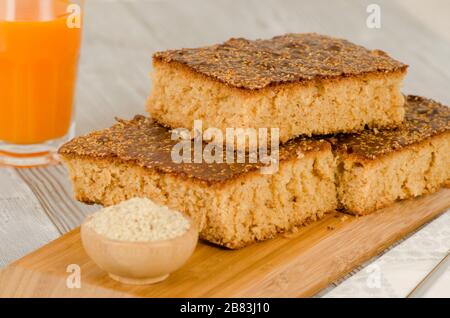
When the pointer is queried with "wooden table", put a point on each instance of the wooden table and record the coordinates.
(36, 205)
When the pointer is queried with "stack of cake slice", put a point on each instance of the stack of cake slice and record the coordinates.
(349, 139)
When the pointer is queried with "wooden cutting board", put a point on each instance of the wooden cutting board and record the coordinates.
(294, 265)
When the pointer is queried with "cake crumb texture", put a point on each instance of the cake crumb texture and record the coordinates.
(377, 168)
(413, 171)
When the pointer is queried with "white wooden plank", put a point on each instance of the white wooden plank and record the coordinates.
(24, 225)
(52, 188)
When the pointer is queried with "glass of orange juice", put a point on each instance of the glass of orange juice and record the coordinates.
(39, 50)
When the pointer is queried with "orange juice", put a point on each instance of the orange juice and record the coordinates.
(38, 63)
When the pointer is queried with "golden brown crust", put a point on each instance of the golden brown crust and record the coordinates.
(291, 58)
(424, 118)
(149, 145)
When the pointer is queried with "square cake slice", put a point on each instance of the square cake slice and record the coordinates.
(375, 169)
(233, 204)
(303, 84)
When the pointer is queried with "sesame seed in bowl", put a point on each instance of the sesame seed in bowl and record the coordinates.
(139, 242)
(139, 220)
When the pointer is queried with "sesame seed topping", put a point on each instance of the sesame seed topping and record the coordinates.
(283, 59)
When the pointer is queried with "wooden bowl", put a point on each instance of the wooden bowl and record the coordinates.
(139, 263)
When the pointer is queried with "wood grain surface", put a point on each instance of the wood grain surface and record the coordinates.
(36, 205)
(297, 265)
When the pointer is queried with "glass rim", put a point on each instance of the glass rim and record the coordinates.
(5, 18)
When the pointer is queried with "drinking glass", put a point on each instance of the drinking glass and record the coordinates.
(39, 50)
